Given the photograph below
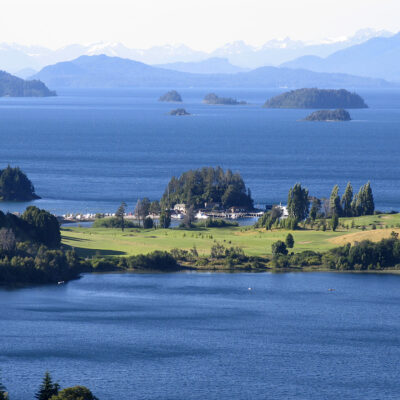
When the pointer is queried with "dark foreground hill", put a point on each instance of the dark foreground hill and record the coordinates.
(113, 72)
(316, 98)
(12, 86)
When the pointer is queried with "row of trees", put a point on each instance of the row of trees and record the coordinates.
(352, 206)
(298, 207)
(142, 211)
(50, 390)
(348, 206)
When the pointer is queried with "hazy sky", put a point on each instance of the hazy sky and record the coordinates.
(201, 24)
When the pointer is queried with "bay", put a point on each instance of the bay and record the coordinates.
(88, 150)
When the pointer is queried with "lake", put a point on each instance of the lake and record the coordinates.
(87, 150)
(196, 336)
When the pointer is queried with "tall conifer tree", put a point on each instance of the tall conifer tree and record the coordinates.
(334, 202)
(347, 199)
(298, 202)
(47, 389)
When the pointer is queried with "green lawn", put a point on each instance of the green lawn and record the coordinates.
(103, 241)
(91, 241)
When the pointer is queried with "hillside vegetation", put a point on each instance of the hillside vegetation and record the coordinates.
(12, 86)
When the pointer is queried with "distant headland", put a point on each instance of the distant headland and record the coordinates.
(12, 86)
(316, 98)
(171, 96)
(338, 115)
(213, 99)
(15, 186)
(179, 112)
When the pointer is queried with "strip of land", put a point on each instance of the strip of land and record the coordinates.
(90, 242)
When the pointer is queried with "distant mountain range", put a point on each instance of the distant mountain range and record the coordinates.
(14, 57)
(377, 57)
(114, 72)
(215, 65)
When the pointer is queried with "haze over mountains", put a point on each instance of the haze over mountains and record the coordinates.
(14, 57)
(377, 57)
(114, 72)
(215, 65)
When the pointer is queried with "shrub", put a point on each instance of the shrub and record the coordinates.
(278, 248)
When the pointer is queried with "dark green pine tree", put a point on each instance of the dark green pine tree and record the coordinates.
(120, 214)
(289, 241)
(356, 204)
(335, 222)
(315, 208)
(298, 202)
(347, 199)
(47, 389)
(334, 202)
(368, 200)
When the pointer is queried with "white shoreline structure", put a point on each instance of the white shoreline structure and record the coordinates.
(178, 213)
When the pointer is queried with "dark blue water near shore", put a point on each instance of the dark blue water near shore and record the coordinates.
(206, 336)
(88, 150)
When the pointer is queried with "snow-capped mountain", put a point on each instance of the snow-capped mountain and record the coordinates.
(15, 57)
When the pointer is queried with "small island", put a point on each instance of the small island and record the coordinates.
(12, 86)
(15, 186)
(171, 96)
(213, 99)
(316, 98)
(179, 112)
(339, 115)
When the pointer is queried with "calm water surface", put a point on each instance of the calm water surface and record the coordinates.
(86, 151)
(206, 336)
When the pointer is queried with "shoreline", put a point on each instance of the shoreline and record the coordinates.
(307, 270)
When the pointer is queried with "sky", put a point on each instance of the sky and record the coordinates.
(200, 24)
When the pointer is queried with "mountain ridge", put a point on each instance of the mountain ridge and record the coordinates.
(113, 72)
(376, 58)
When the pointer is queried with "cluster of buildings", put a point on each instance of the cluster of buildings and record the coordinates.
(211, 210)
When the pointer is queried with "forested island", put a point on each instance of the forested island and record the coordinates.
(208, 185)
(213, 99)
(316, 98)
(171, 96)
(179, 112)
(15, 186)
(12, 86)
(329, 115)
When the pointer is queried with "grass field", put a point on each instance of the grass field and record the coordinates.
(103, 241)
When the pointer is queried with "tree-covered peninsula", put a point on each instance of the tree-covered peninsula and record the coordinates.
(171, 96)
(316, 98)
(208, 185)
(12, 86)
(213, 99)
(15, 186)
(30, 249)
(329, 115)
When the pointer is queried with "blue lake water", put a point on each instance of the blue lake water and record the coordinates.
(86, 151)
(206, 336)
